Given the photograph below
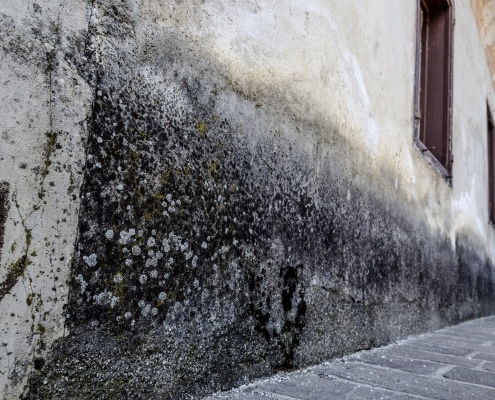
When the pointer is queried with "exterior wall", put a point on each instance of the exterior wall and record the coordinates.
(44, 105)
(484, 11)
(267, 148)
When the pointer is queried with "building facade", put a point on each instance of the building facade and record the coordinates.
(197, 194)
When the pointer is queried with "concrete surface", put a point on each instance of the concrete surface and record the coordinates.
(455, 363)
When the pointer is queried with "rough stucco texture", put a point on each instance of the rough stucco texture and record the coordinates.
(217, 245)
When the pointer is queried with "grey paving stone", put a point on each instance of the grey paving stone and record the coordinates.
(480, 323)
(460, 338)
(235, 396)
(458, 344)
(484, 356)
(489, 366)
(242, 393)
(475, 331)
(432, 348)
(477, 341)
(427, 356)
(403, 382)
(472, 376)
(307, 387)
(421, 367)
(473, 336)
(370, 393)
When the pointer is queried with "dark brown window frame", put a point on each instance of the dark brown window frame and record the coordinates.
(433, 95)
(490, 135)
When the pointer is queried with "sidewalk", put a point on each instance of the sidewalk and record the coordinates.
(449, 364)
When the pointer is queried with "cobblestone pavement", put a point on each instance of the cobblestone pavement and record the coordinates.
(449, 364)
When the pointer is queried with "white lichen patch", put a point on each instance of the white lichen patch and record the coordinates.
(113, 301)
(90, 260)
(82, 282)
(136, 250)
(125, 236)
(146, 310)
(103, 298)
(151, 262)
(109, 234)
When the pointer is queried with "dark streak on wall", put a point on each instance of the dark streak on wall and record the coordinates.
(16, 269)
(4, 209)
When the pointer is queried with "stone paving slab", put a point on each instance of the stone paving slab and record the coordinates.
(456, 363)
(471, 341)
(471, 376)
(403, 382)
(461, 338)
(439, 358)
(484, 356)
(432, 348)
(488, 366)
(309, 386)
(407, 364)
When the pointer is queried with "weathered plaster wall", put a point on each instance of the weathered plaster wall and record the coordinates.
(44, 105)
(251, 201)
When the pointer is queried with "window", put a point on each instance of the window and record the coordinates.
(434, 82)
(491, 165)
